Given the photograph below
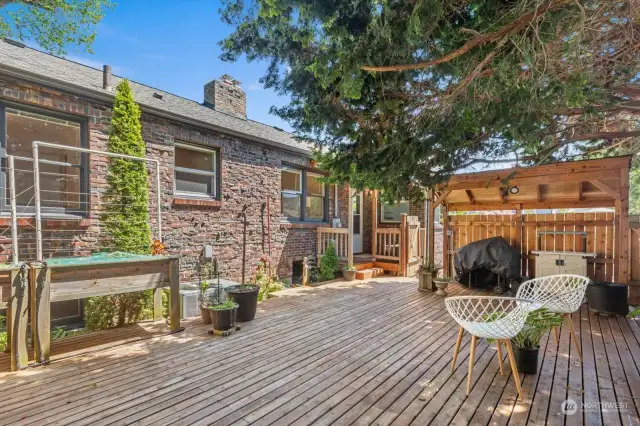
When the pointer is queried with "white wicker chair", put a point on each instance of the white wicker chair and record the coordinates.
(498, 318)
(562, 294)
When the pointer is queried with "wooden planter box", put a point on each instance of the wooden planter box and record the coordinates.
(78, 278)
(14, 289)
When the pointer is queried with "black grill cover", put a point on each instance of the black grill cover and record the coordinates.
(488, 257)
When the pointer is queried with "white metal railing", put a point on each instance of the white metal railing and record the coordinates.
(37, 189)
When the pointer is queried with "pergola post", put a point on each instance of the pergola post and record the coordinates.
(430, 207)
(374, 222)
(623, 242)
(350, 227)
(445, 241)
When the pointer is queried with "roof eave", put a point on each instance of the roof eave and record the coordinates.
(103, 96)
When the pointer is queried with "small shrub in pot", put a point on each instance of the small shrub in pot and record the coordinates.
(427, 272)
(203, 300)
(223, 315)
(526, 344)
(349, 273)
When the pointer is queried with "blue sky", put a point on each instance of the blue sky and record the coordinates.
(173, 46)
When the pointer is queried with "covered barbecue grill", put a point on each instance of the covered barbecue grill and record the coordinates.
(488, 263)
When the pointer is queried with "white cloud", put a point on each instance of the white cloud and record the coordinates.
(254, 87)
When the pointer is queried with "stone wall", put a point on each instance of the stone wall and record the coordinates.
(250, 175)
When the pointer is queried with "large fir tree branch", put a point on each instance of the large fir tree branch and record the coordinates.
(479, 40)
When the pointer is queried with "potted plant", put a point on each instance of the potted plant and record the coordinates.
(222, 312)
(426, 274)
(526, 344)
(203, 300)
(223, 315)
(441, 285)
(349, 273)
(246, 295)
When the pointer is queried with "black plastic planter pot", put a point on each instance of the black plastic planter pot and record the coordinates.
(526, 360)
(608, 298)
(246, 296)
(224, 319)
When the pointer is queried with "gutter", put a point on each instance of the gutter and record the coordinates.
(103, 96)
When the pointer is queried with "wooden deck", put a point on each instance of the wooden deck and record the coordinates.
(375, 352)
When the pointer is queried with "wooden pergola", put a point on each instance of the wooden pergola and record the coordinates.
(569, 185)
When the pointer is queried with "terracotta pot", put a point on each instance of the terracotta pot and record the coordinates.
(205, 313)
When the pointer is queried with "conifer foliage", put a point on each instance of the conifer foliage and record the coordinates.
(126, 215)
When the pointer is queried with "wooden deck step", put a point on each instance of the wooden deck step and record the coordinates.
(369, 273)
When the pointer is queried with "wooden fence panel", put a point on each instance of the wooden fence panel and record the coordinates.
(599, 239)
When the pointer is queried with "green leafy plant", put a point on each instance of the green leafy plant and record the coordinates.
(330, 263)
(634, 313)
(126, 212)
(223, 306)
(53, 24)
(539, 322)
(126, 199)
(349, 268)
(202, 297)
(267, 282)
(401, 95)
(116, 310)
(429, 268)
(3, 334)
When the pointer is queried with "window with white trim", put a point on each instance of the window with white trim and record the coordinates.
(316, 196)
(291, 195)
(303, 195)
(196, 171)
(391, 213)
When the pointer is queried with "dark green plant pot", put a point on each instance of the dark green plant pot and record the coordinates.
(246, 296)
(224, 319)
(526, 360)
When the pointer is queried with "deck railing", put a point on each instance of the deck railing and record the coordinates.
(340, 238)
(387, 244)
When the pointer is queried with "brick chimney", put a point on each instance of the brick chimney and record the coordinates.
(226, 95)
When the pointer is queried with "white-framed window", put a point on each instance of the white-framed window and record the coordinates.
(303, 195)
(291, 193)
(196, 171)
(391, 213)
(316, 196)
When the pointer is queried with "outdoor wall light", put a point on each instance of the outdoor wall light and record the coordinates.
(514, 190)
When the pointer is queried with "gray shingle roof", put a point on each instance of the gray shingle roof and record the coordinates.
(34, 65)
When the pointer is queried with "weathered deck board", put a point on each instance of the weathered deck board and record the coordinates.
(362, 353)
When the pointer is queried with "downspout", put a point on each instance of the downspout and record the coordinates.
(336, 211)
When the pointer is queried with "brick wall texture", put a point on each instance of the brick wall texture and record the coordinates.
(250, 177)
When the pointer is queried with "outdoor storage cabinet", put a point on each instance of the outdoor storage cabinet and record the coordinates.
(561, 262)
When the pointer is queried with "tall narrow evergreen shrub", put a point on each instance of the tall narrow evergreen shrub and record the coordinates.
(125, 216)
(126, 200)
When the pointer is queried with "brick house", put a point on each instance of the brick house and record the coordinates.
(215, 165)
